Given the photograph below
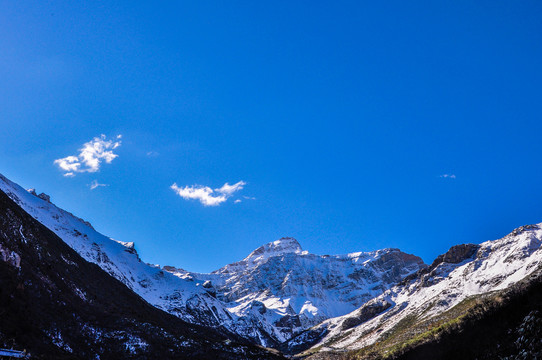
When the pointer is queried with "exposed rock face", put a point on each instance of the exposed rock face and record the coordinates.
(506, 325)
(433, 295)
(42, 196)
(366, 312)
(45, 197)
(457, 254)
(10, 257)
(288, 290)
(524, 228)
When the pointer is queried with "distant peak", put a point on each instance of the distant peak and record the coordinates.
(281, 246)
(285, 245)
(288, 244)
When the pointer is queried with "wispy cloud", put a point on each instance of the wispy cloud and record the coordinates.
(448, 176)
(152, 153)
(228, 189)
(206, 195)
(90, 156)
(237, 201)
(95, 184)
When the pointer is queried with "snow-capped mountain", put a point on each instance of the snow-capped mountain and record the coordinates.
(180, 297)
(284, 297)
(291, 290)
(465, 274)
(56, 305)
(276, 292)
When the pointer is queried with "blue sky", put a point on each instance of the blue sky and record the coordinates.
(336, 120)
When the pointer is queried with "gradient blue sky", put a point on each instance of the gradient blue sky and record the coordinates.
(341, 117)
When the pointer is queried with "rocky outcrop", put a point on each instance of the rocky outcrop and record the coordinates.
(524, 228)
(42, 196)
(286, 290)
(457, 254)
(366, 312)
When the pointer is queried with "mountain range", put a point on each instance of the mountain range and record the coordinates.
(89, 296)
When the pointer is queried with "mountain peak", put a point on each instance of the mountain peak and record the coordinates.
(284, 245)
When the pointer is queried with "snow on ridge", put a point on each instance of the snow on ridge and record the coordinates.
(280, 281)
(285, 245)
(277, 291)
(160, 288)
(495, 265)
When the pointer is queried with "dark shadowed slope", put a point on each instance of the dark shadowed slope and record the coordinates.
(56, 305)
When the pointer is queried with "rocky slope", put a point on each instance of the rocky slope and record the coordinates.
(167, 292)
(434, 296)
(506, 325)
(290, 290)
(275, 293)
(57, 305)
(371, 305)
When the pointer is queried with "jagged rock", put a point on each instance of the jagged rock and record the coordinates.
(10, 257)
(288, 321)
(42, 196)
(296, 288)
(457, 254)
(120, 260)
(524, 228)
(366, 312)
(45, 197)
(171, 269)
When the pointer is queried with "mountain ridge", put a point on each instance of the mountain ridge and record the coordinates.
(284, 297)
(264, 318)
(302, 289)
(57, 305)
(464, 272)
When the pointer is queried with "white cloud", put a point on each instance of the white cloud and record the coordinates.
(237, 201)
(249, 197)
(201, 193)
(448, 176)
(70, 164)
(152, 153)
(90, 156)
(206, 195)
(228, 189)
(95, 184)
